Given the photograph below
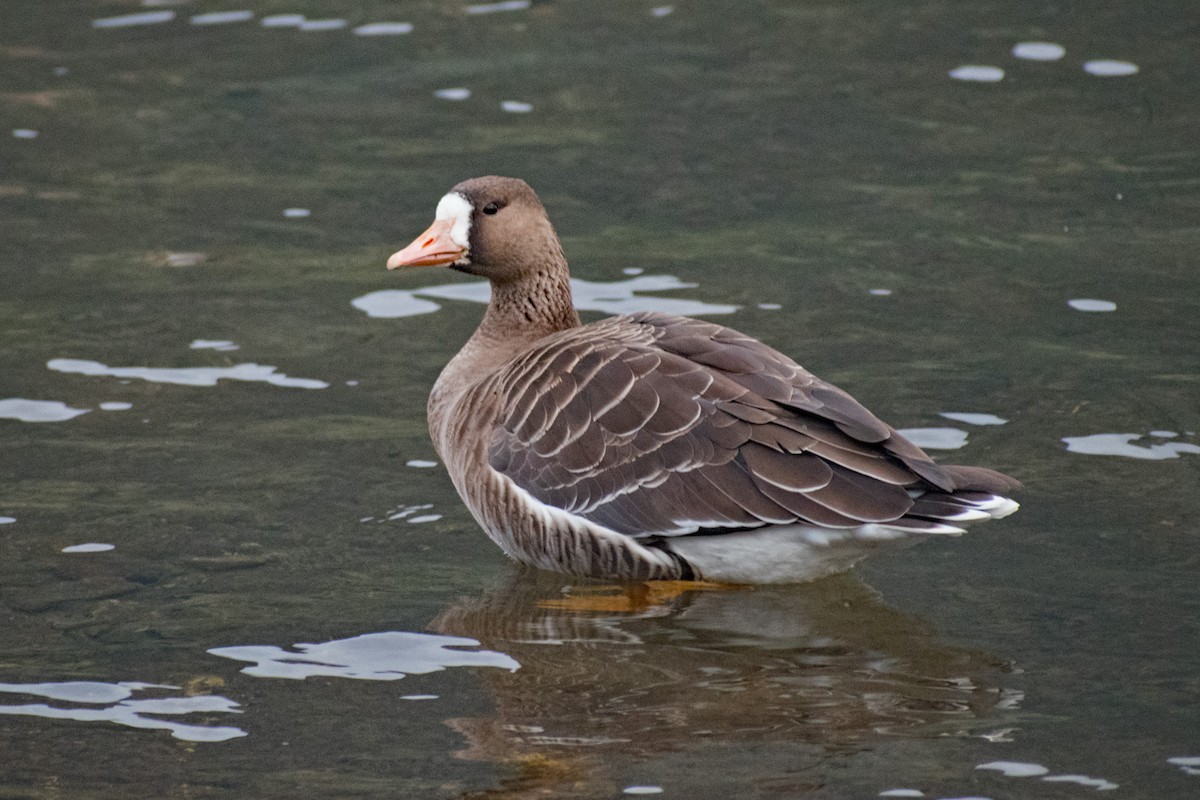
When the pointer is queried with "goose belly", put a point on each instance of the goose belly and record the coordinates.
(784, 553)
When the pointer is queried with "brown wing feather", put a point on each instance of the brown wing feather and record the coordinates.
(662, 425)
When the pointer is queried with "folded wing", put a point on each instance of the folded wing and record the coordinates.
(654, 425)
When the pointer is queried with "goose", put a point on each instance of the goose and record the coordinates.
(649, 446)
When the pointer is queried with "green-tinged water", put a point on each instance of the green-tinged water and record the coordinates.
(296, 604)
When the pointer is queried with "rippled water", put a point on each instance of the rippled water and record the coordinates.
(231, 565)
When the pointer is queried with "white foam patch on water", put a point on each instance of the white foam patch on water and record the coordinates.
(38, 410)
(424, 518)
(188, 376)
(115, 405)
(384, 29)
(770, 306)
(387, 656)
(1164, 434)
(453, 93)
(418, 697)
(1083, 304)
(977, 72)
(24, 133)
(661, 11)
(322, 24)
(491, 8)
(642, 790)
(1189, 764)
(222, 17)
(633, 270)
(1109, 68)
(879, 292)
(297, 213)
(516, 106)
(120, 710)
(282, 21)
(126, 20)
(935, 438)
(1015, 769)
(901, 793)
(1121, 444)
(973, 419)
(7, 520)
(420, 463)
(615, 297)
(1039, 51)
(1100, 784)
(90, 547)
(213, 344)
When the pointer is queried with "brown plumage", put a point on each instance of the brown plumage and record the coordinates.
(654, 446)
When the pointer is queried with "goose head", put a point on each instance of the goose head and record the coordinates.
(493, 227)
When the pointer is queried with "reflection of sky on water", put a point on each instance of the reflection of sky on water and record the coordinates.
(37, 410)
(385, 656)
(1121, 444)
(979, 73)
(213, 344)
(611, 297)
(1039, 51)
(1189, 764)
(126, 20)
(222, 17)
(504, 5)
(384, 29)
(323, 24)
(187, 376)
(420, 463)
(1087, 304)
(90, 547)
(973, 419)
(1021, 769)
(117, 708)
(1015, 769)
(408, 513)
(1109, 68)
(935, 438)
(282, 21)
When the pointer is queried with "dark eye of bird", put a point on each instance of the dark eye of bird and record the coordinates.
(491, 208)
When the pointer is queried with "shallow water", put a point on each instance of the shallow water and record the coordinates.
(212, 435)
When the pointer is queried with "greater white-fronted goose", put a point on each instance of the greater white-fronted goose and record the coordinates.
(651, 446)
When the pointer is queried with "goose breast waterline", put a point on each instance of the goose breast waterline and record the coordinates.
(651, 446)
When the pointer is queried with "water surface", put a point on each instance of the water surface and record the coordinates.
(195, 208)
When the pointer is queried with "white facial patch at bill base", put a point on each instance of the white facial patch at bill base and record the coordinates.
(458, 209)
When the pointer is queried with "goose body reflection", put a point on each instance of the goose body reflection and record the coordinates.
(654, 446)
(825, 664)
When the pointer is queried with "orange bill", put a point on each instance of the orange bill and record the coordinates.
(431, 248)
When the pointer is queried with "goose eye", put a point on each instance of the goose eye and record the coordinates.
(491, 208)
